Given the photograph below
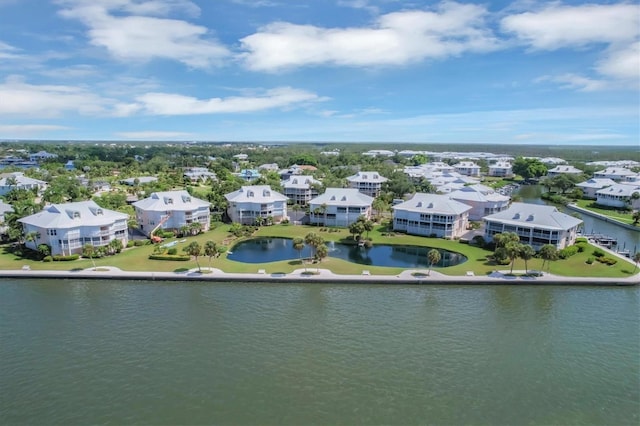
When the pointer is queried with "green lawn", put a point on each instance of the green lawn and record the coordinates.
(136, 258)
(611, 213)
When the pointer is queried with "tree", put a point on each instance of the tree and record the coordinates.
(636, 217)
(379, 205)
(32, 237)
(322, 251)
(298, 245)
(367, 225)
(513, 251)
(526, 253)
(195, 228)
(548, 253)
(314, 241)
(501, 240)
(636, 259)
(434, 257)
(44, 250)
(529, 167)
(88, 250)
(210, 250)
(356, 229)
(194, 249)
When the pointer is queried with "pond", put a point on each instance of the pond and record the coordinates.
(263, 250)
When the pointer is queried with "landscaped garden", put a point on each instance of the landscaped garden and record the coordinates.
(583, 263)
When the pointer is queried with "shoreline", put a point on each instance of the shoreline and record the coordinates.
(600, 216)
(323, 276)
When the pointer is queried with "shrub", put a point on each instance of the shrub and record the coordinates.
(47, 259)
(581, 247)
(590, 260)
(139, 243)
(479, 241)
(567, 252)
(172, 251)
(178, 257)
(62, 258)
(581, 240)
(130, 244)
(598, 252)
(607, 260)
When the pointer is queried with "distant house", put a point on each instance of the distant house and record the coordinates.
(482, 199)
(199, 174)
(171, 210)
(591, 186)
(369, 183)
(67, 227)
(269, 167)
(535, 224)
(501, 169)
(563, 170)
(431, 214)
(617, 174)
(69, 165)
(141, 180)
(17, 180)
(4, 209)
(248, 174)
(623, 195)
(378, 153)
(300, 189)
(339, 207)
(256, 201)
(41, 156)
(467, 168)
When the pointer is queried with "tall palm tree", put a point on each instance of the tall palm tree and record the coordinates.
(89, 251)
(434, 257)
(526, 253)
(298, 245)
(636, 259)
(210, 250)
(513, 251)
(548, 253)
(194, 249)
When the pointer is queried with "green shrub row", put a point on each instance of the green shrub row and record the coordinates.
(606, 260)
(180, 257)
(567, 252)
(62, 258)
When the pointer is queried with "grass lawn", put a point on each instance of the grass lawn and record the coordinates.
(612, 213)
(136, 258)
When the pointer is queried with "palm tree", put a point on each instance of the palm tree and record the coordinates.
(636, 217)
(548, 253)
(314, 241)
(298, 245)
(195, 228)
(526, 253)
(322, 251)
(88, 251)
(32, 237)
(210, 250)
(636, 259)
(194, 249)
(434, 257)
(368, 226)
(513, 251)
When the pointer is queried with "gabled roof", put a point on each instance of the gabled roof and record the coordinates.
(20, 179)
(170, 200)
(565, 169)
(300, 181)
(433, 204)
(5, 208)
(367, 177)
(342, 197)
(72, 215)
(616, 171)
(620, 190)
(534, 215)
(255, 194)
(596, 183)
(480, 193)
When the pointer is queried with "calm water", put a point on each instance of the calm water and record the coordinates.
(259, 250)
(75, 352)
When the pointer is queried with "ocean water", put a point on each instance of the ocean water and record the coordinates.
(91, 352)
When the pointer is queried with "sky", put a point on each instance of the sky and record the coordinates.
(520, 72)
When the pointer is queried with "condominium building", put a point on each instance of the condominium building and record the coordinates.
(171, 210)
(431, 215)
(339, 207)
(369, 183)
(256, 201)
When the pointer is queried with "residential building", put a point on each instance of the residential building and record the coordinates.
(535, 224)
(378, 153)
(591, 186)
(199, 174)
(248, 174)
(140, 180)
(467, 168)
(69, 166)
(17, 180)
(4, 209)
(617, 174)
(482, 199)
(67, 227)
(300, 189)
(501, 169)
(171, 210)
(563, 169)
(339, 207)
(41, 155)
(269, 167)
(369, 183)
(253, 201)
(623, 195)
(431, 215)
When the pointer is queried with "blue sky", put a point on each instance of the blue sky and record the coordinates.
(522, 72)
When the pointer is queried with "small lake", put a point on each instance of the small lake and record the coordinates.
(263, 250)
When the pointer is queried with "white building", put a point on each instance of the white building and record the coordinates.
(300, 189)
(4, 209)
(535, 224)
(252, 201)
(563, 169)
(141, 180)
(171, 210)
(41, 155)
(369, 183)
(482, 199)
(66, 228)
(620, 195)
(591, 186)
(17, 180)
(501, 169)
(378, 153)
(467, 168)
(614, 173)
(431, 215)
(339, 207)
(199, 174)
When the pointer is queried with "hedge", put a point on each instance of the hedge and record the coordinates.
(61, 258)
(180, 257)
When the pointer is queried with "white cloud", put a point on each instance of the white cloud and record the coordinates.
(394, 39)
(8, 52)
(13, 130)
(560, 26)
(21, 98)
(176, 104)
(71, 72)
(141, 35)
(359, 4)
(622, 63)
(577, 82)
(154, 135)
